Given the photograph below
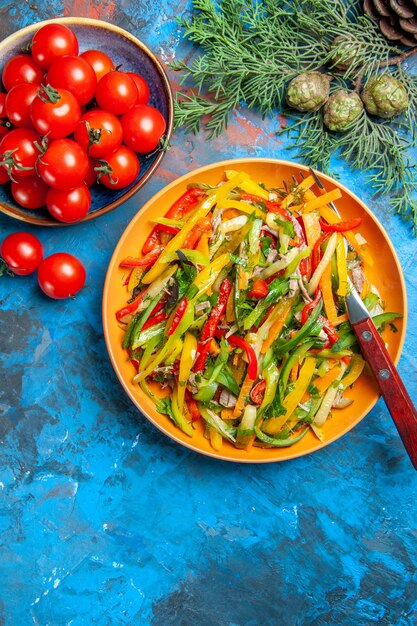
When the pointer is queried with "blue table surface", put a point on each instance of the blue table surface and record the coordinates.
(104, 520)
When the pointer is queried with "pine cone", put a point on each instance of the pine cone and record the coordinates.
(342, 108)
(384, 96)
(308, 91)
(397, 19)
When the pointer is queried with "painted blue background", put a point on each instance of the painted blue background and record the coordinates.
(104, 521)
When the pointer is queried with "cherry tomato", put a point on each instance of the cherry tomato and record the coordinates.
(18, 153)
(55, 111)
(30, 192)
(116, 92)
(258, 391)
(4, 177)
(143, 127)
(99, 61)
(61, 275)
(18, 102)
(69, 205)
(21, 69)
(119, 169)
(53, 41)
(142, 87)
(99, 133)
(74, 74)
(63, 165)
(22, 252)
(5, 124)
(259, 289)
(91, 176)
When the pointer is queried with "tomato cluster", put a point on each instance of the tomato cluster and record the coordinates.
(69, 120)
(60, 275)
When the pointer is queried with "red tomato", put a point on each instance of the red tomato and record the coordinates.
(99, 133)
(22, 252)
(56, 112)
(21, 69)
(74, 74)
(30, 192)
(143, 127)
(63, 165)
(259, 289)
(61, 275)
(5, 124)
(91, 176)
(99, 61)
(4, 177)
(142, 87)
(119, 169)
(116, 92)
(69, 205)
(18, 102)
(18, 152)
(53, 41)
(258, 391)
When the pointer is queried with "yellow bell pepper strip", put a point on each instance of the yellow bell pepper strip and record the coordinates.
(216, 440)
(323, 382)
(249, 185)
(178, 415)
(278, 318)
(291, 401)
(243, 207)
(312, 227)
(341, 268)
(340, 319)
(230, 312)
(329, 397)
(323, 200)
(301, 188)
(186, 364)
(246, 428)
(135, 278)
(331, 217)
(243, 396)
(164, 221)
(175, 352)
(327, 293)
(276, 442)
(327, 256)
(151, 344)
(356, 369)
(202, 247)
(207, 276)
(191, 255)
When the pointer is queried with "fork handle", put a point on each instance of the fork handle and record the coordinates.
(390, 385)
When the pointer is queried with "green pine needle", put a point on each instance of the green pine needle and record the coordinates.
(248, 53)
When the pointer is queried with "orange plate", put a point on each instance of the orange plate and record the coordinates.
(386, 275)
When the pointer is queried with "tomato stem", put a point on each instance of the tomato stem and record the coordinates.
(47, 93)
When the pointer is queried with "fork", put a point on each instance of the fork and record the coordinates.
(388, 380)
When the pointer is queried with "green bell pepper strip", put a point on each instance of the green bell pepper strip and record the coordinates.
(206, 393)
(279, 443)
(246, 429)
(147, 335)
(154, 337)
(216, 422)
(385, 318)
(133, 337)
(305, 252)
(179, 418)
(286, 369)
(254, 235)
(277, 290)
(271, 377)
(312, 326)
(230, 246)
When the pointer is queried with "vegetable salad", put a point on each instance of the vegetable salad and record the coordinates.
(236, 314)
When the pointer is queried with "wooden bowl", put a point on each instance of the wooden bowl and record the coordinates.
(386, 275)
(127, 51)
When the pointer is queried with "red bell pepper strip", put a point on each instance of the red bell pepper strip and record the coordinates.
(183, 205)
(152, 321)
(329, 329)
(340, 227)
(192, 406)
(194, 236)
(129, 309)
(178, 315)
(165, 228)
(316, 253)
(259, 289)
(146, 261)
(238, 342)
(257, 392)
(310, 307)
(127, 278)
(210, 326)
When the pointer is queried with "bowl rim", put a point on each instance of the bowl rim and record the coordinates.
(32, 28)
(105, 321)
